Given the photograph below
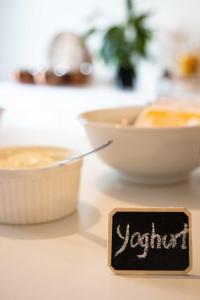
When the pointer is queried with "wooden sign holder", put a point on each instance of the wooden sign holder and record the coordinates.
(147, 272)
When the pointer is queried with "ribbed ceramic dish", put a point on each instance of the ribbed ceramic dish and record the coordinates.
(29, 196)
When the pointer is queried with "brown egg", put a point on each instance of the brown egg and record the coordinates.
(23, 76)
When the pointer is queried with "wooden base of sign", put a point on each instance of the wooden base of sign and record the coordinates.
(147, 271)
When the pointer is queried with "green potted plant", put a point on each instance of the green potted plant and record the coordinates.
(123, 45)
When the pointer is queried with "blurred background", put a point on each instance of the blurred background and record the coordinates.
(27, 27)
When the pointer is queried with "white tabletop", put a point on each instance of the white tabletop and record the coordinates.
(67, 259)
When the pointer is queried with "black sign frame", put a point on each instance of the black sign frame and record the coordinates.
(148, 271)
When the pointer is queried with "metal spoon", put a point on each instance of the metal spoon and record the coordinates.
(79, 156)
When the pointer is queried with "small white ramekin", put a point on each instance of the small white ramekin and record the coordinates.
(30, 196)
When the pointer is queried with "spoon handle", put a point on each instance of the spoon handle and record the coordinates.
(76, 157)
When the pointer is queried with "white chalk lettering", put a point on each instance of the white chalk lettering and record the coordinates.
(171, 243)
(183, 233)
(144, 243)
(151, 240)
(138, 239)
(126, 239)
(153, 237)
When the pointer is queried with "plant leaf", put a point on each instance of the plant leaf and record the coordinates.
(88, 33)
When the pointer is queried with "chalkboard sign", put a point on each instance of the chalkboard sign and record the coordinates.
(149, 241)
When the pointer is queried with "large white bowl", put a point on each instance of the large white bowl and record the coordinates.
(29, 196)
(144, 155)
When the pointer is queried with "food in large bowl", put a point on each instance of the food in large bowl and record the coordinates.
(152, 155)
(35, 188)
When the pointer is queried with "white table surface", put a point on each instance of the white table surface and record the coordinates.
(67, 259)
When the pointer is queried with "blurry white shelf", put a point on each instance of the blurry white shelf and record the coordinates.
(50, 107)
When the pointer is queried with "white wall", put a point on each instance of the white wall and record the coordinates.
(26, 26)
